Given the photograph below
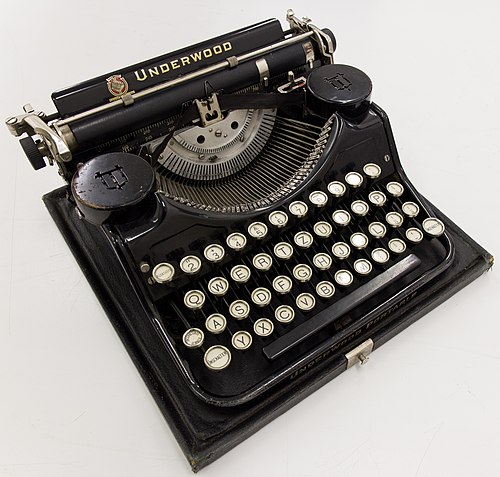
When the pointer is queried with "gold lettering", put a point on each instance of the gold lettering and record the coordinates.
(142, 74)
(196, 56)
(153, 71)
(140, 78)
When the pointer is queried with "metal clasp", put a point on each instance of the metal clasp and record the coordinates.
(209, 110)
(360, 354)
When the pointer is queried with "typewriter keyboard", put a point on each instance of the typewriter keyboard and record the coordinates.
(295, 276)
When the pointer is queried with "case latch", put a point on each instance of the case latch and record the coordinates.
(360, 354)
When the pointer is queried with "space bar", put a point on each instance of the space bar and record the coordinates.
(340, 308)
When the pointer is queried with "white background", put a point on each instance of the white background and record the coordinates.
(427, 404)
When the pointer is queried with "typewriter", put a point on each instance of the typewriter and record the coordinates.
(241, 212)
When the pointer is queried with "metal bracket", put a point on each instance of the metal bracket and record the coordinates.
(293, 83)
(360, 354)
(32, 123)
(304, 25)
(209, 110)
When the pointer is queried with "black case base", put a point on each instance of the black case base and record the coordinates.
(206, 432)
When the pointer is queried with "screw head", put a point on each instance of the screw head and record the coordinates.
(144, 267)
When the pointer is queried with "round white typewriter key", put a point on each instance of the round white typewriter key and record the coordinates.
(194, 299)
(214, 253)
(241, 340)
(262, 261)
(284, 313)
(257, 230)
(354, 179)
(240, 273)
(302, 272)
(359, 240)
(394, 219)
(322, 229)
(410, 209)
(325, 289)
(217, 358)
(336, 188)
(414, 235)
(343, 277)
(236, 241)
(341, 217)
(397, 245)
(377, 229)
(282, 284)
(190, 264)
(377, 198)
(395, 189)
(298, 208)
(372, 170)
(322, 261)
(341, 250)
(218, 286)
(318, 198)
(261, 296)
(434, 227)
(305, 301)
(362, 266)
(239, 309)
(193, 338)
(283, 250)
(380, 255)
(278, 218)
(216, 323)
(360, 207)
(163, 273)
(263, 327)
(303, 239)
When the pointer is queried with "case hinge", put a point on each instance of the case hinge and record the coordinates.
(360, 354)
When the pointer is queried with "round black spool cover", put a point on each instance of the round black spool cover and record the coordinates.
(341, 88)
(115, 187)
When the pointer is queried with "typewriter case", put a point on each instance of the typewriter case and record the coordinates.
(168, 157)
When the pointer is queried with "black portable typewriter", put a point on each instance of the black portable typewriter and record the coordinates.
(241, 212)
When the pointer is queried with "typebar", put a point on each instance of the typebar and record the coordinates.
(340, 308)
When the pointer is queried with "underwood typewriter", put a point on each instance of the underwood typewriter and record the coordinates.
(241, 212)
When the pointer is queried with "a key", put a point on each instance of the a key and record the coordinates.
(217, 358)
(278, 218)
(193, 338)
(163, 273)
(282, 284)
(214, 252)
(241, 340)
(257, 230)
(216, 323)
(194, 299)
(263, 327)
(236, 241)
(190, 264)
(261, 296)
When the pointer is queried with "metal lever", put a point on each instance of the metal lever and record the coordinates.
(32, 123)
(304, 25)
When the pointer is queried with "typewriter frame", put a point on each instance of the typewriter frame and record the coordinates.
(206, 432)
